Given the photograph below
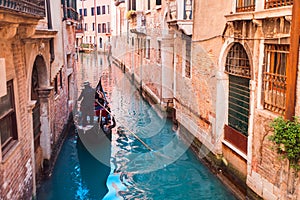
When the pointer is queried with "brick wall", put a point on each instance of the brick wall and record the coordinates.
(16, 169)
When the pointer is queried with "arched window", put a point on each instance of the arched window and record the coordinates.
(238, 68)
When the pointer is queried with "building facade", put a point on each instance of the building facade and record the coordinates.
(33, 65)
(227, 76)
(95, 24)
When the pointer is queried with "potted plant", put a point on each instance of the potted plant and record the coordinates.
(286, 139)
(131, 14)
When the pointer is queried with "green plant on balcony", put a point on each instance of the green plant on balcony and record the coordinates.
(286, 139)
(131, 14)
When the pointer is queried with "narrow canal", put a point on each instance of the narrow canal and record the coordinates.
(127, 169)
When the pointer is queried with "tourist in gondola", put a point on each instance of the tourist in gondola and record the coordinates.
(107, 127)
(86, 103)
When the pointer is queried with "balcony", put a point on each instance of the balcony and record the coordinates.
(247, 10)
(29, 7)
(72, 14)
(277, 3)
(137, 22)
(181, 15)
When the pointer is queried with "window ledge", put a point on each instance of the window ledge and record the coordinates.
(12, 148)
(262, 14)
(267, 114)
(233, 148)
(158, 7)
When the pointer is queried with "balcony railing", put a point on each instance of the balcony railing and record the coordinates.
(31, 7)
(245, 5)
(72, 14)
(277, 3)
(185, 13)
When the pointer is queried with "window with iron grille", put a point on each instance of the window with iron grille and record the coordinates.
(237, 62)
(245, 5)
(8, 122)
(274, 77)
(277, 3)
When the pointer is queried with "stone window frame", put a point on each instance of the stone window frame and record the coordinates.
(10, 117)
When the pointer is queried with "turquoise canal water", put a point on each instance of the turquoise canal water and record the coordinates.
(163, 168)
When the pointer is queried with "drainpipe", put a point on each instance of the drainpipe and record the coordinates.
(96, 27)
(291, 71)
(50, 27)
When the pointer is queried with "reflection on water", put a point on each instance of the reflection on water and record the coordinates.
(77, 174)
(170, 171)
(167, 171)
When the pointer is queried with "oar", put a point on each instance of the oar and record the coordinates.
(137, 137)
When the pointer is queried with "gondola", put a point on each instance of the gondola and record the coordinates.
(95, 123)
